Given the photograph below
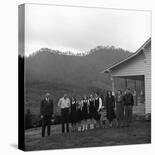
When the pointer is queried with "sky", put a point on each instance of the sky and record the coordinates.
(80, 29)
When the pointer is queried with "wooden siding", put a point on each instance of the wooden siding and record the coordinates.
(139, 65)
(148, 80)
(132, 67)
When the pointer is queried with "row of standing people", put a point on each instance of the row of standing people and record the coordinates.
(84, 114)
(90, 112)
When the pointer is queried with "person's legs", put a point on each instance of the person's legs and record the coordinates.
(122, 117)
(72, 126)
(63, 127)
(48, 124)
(67, 119)
(125, 116)
(130, 115)
(118, 115)
(99, 123)
(79, 126)
(82, 125)
(91, 123)
(43, 127)
(67, 126)
(87, 124)
(62, 120)
(118, 122)
(106, 123)
(101, 120)
(110, 121)
(48, 130)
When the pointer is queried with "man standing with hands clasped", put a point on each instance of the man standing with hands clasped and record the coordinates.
(64, 105)
(46, 111)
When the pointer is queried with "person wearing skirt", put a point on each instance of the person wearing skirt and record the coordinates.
(85, 113)
(119, 108)
(79, 115)
(98, 106)
(73, 114)
(110, 105)
(91, 111)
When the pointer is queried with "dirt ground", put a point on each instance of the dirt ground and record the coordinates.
(138, 133)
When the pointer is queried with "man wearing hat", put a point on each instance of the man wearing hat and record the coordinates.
(46, 111)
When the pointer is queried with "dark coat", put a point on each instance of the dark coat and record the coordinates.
(119, 107)
(46, 108)
(110, 105)
(73, 114)
(128, 99)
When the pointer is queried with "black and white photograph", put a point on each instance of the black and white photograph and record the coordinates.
(84, 77)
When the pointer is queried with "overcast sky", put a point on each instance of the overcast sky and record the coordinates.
(81, 29)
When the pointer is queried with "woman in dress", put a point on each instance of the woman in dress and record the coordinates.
(91, 111)
(85, 113)
(79, 115)
(119, 108)
(98, 106)
(110, 105)
(73, 113)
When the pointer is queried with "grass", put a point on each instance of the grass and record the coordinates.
(138, 133)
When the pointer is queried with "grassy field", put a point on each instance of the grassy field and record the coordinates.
(138, 133)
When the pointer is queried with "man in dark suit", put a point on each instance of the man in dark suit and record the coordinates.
(46, 111)
(128, 106)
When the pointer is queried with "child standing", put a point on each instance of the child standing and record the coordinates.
(103, 118)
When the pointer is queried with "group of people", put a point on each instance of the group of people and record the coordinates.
(89, 112)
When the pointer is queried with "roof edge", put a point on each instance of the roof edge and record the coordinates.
(128, 58)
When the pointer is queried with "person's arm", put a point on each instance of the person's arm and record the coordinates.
(69, 103)
(81, 105)
(88, 102)
(59, 103)
(113, 102)
(132, 100)
(52, 107)
(88, 106)
(100, 104)
(41, 108)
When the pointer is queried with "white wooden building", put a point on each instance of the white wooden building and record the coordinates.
(138, 67)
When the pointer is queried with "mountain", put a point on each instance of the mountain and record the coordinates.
(81, 71)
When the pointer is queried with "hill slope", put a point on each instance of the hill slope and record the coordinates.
(50, 66)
